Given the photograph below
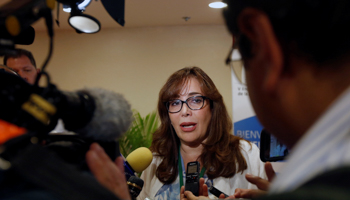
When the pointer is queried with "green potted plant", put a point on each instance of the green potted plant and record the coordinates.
(140, 133)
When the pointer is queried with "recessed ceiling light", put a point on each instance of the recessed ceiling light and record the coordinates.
(217, 4)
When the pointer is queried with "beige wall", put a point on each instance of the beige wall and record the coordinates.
(135, 61)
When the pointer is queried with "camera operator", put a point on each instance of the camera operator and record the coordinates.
(23, 63)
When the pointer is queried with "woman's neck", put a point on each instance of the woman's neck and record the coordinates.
(190, 153)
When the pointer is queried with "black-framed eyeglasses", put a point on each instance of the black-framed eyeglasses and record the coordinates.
(194, 103)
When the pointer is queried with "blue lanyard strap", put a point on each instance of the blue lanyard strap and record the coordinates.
(181, 172)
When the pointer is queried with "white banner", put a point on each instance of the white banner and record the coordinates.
(245, 123)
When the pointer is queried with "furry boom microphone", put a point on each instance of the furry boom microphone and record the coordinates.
(95, 113)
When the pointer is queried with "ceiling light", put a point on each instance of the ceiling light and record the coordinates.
(217, 5)
(84, 23)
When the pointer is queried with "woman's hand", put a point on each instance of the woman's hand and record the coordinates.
(188, 195)
(110, 175)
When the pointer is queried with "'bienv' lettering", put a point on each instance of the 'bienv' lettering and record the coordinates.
(248, 134)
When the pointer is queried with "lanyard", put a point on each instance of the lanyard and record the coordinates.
(181, 172)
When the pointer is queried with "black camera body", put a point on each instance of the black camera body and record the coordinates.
(72, 148)
(192, 177)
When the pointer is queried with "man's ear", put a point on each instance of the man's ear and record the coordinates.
(265, 48)
(38, 73)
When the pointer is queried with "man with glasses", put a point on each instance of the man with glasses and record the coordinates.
(297, 66)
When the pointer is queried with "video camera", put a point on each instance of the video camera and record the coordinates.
(38, 117)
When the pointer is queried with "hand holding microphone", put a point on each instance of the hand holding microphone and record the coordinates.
(109, 174)
(112, 175)
(136, 161)
(204, 189)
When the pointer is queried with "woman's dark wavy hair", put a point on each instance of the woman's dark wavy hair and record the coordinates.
(221, 154)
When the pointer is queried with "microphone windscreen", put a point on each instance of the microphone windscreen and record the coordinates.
(112, 116)
(139, 159)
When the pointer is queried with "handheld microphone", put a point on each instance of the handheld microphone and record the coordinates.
(135, 185)
(137, 161)
(214, 190)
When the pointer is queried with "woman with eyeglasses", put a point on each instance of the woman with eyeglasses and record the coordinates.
(195, 126)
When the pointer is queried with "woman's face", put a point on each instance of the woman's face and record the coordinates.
(191, 125)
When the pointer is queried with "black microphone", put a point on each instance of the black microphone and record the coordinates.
(214, 190)
(135, 185)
